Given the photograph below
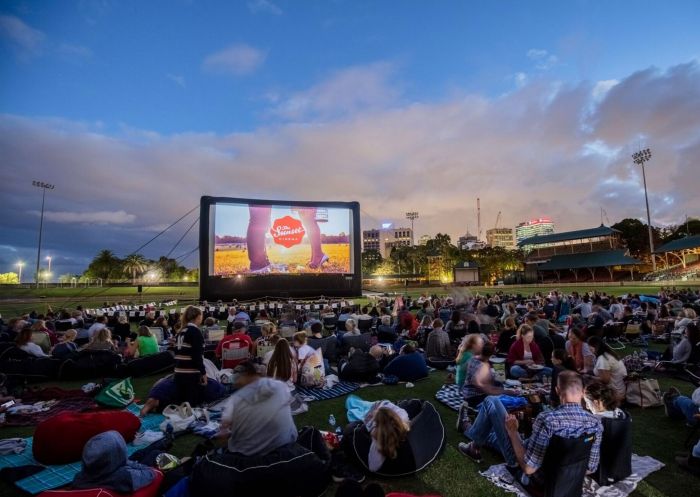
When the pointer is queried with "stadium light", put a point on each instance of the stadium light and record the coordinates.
(20, 265)
(412, 216)
(640, 158)
(48, 258)
(44, 187)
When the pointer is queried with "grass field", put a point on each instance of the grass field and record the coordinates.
(14, 301)
(452, 475)
(296, 259)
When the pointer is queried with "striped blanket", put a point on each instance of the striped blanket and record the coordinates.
(340, 389)
(450, 396)
(61, 475)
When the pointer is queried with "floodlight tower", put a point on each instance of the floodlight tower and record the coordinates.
(44, 187)
(412, 216)
(640, 158)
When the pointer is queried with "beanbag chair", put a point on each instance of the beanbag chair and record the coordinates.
(422, 446)
(289, 471)
(360, 367)
(70, 431)
(150, 490)
(166, 392)
(90, 364)
(148, 365)
(16, 362)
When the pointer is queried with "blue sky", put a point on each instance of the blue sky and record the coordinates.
(135, 109)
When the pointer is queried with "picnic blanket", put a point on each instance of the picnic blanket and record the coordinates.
(60, 475)
(342, 388)
(72, 404)
(642, 466)
(450, 396)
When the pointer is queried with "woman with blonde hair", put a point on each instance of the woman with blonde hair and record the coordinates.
(469, 347)
(122, 328)
(102, 340)
(67, 345)
(388, 425)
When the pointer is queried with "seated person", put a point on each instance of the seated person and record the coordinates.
(361, 366)
(282, 364)
(525, 353)
(507, 337)
(497, 429)
(600, 400)
(164, 392)
(455, 327)
(351, 328)
(385, 332)
(66, 346)
(608, 369)
(560, 362)
(40, 326)
(301, 348)
(681, 407)
(471, 345)
(24, 342)
(235, 332)
(438, 348)
(102, 340)
(105, 465)
(580, 352)
(145, 344)
(479, 380)
(100, 323)
(388, 425)
(122, 328)
(681, 351)
(408, 365)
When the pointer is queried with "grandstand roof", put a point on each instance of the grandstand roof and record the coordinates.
(568, 235)
(689, 242)
(588, 259)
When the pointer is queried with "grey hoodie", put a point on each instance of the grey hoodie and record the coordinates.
(260, 418)
(105, 465)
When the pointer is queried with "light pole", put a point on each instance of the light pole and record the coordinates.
(640, 158)
(44, 187)
(20, 265)
(412, 216)
(48, 258)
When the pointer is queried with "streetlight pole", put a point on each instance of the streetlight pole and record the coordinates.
(48, 258)
(44, 187)
(20, 264)
(640, 158)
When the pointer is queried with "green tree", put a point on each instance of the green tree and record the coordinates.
(371, 259)
(636, 234)
(105, 265)
(9, 278)
(689, 228)
(134, 264)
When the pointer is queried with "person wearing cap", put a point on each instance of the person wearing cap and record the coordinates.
(66, 346)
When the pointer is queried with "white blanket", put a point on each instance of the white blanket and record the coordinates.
(642, 466)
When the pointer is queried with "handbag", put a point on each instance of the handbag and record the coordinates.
(119, 393)
(180, 417)
(644, 392)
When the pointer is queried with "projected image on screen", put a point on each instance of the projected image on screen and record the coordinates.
(275, 239)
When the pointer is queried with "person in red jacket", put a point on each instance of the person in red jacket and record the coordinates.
(525, 358)
(234, 342)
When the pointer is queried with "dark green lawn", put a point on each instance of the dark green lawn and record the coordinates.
(452, 475)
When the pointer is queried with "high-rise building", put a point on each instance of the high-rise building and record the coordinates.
(501, 237)
(385, 239)
(470, 242)
(423, 240)
(533, 227)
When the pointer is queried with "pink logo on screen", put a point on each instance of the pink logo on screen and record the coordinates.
(287, 231)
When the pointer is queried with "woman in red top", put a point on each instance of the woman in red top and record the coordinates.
(524, 357)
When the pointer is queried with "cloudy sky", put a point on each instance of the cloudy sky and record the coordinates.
(136, 109)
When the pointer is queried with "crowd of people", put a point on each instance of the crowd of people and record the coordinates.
(561, 342)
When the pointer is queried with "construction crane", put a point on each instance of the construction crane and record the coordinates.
(498, 220)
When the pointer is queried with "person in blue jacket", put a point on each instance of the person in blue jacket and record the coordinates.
(409, 365)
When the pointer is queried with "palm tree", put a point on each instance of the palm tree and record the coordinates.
(134, 263)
